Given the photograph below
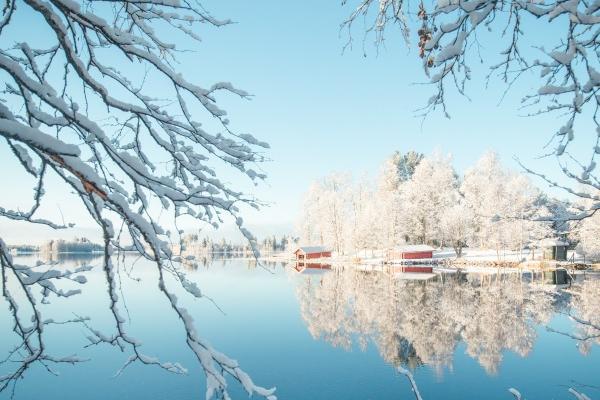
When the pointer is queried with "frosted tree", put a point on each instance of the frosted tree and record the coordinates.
(540, 223)
(389, 201)
(450, 36)
(518, 204)
(482, 189)
(587, 234)
(366, 223)
(78, 107)
(456, 225)
(399, 168)
(309, 224)
(426, 197)
(506, 207)
(407, 164)
(326, 211)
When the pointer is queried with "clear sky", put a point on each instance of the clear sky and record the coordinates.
(325, 110)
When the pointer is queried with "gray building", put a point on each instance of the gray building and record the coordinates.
(554, 249)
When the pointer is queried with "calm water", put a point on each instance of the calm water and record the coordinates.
(329, 334)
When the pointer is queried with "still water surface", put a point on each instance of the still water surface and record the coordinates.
(329, 335)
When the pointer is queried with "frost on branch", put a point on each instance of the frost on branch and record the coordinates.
(80, 106)
(451, 35)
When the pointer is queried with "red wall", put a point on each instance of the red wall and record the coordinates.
(313, 255)
(412, 255)
(415, 268)
(319, 255)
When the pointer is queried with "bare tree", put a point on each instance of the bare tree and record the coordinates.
(449, 32)
(81, 109)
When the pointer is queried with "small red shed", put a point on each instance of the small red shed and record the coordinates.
(311, 252)
(414, 252)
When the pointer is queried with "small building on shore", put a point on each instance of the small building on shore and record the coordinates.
(311, 252)
(412, 252)
(554, 249)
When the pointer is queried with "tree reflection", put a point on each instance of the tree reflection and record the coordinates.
(414, 322)
(585, 313)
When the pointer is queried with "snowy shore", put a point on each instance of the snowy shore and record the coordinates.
(472, 260)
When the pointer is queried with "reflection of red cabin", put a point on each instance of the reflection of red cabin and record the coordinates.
(311, 252)
(414, 252)
(312, 267)
(428, 269)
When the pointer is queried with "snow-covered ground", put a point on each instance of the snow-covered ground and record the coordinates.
(473, 254)
(473, 259)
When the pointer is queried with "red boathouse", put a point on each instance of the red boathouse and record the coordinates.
(311, 252)
(414, 252)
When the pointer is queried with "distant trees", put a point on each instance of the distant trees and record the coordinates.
(422, 200)
(194, 244)
(77, 245)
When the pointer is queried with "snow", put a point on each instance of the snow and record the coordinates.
(415, 276)
(452, 50)
(567, 56)
(312, 249)
(415, 248)
(515, 393)
(547, 242)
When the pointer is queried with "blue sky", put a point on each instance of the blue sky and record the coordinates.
(325, 110)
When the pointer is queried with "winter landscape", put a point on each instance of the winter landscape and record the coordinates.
(353, 199)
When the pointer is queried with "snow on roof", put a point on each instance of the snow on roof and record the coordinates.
(415, 247)
(548, 242)
(312, 249)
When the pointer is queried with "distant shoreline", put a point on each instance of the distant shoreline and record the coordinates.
(25, 252)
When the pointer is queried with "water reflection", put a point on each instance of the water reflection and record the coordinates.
(585, 311)
(415, 322)
(62, 258)
(411, 323)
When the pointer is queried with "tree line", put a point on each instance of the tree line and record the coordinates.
(195, 244)
(55, 246)
(423, 200)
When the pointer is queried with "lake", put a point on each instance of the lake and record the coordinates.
(325, 334)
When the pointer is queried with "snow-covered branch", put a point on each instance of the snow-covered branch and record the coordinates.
(81, 105)
(451, 35)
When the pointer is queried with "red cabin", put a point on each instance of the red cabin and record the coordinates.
(312, 252)
(415, 252)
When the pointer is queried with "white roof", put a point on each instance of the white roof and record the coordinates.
(553, 242)
(415, 247)
(312, 249)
